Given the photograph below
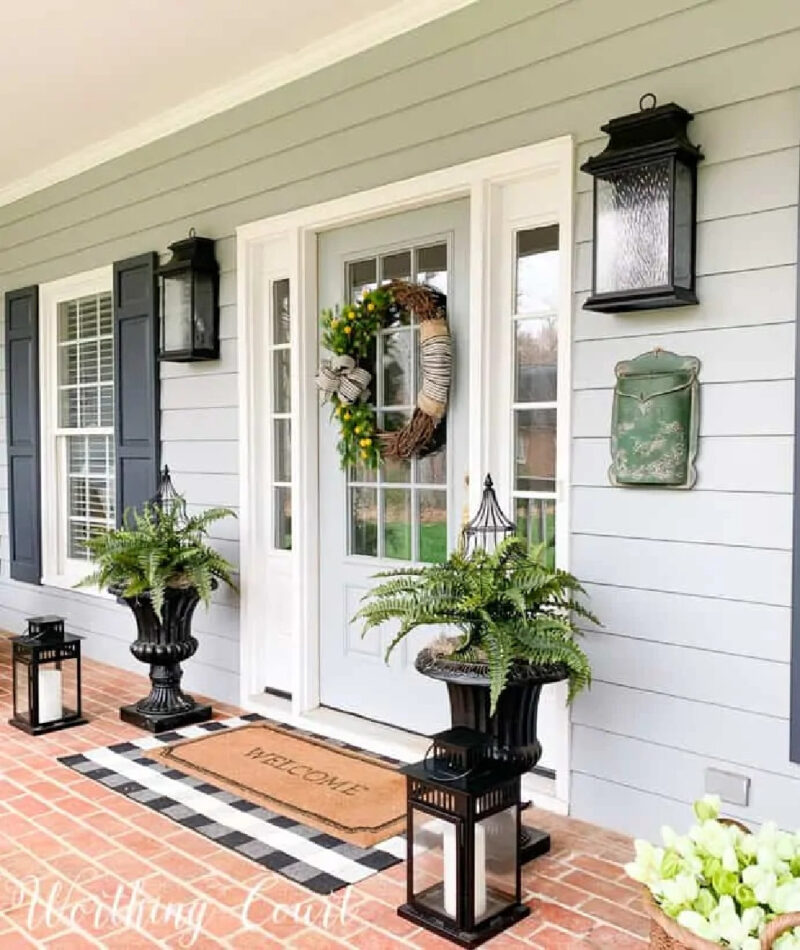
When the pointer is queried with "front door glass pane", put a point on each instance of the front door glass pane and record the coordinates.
(535, 315)
(400, 511)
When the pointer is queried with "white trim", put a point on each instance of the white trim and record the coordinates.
(295, 235)
(58, 571)
(353, 39)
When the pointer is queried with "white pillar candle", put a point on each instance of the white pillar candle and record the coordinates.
(450, 870)
(50, 696)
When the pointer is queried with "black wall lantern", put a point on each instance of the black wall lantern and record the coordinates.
(46, 686)
(189, 297)
(463, 871)
(645, 211)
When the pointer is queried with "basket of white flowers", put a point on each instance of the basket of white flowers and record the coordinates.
(721, 885)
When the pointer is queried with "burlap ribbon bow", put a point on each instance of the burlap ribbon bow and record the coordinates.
(341, 376)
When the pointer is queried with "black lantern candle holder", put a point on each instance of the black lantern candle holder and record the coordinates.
(490, 525)
(463, 871)
(189, 299)
(645, 211)
(46, 678)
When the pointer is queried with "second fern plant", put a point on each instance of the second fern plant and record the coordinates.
(507, 606)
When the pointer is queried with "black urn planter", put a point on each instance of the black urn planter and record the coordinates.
(513, 725)
(164, 644)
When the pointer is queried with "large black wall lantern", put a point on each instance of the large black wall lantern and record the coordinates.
(645, 211)
(189, 292)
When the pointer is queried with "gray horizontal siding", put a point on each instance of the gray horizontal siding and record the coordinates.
(694, 588)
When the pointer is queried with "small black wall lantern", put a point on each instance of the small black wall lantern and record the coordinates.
(645, 211)
(189, 297)
(463, 871)
(46, 664)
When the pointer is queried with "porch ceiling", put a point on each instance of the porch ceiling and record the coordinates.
(81, 82)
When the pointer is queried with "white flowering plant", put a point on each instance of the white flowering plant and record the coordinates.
(721, 882)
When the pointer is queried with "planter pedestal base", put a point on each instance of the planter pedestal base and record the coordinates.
(533, 843)
(164, 722)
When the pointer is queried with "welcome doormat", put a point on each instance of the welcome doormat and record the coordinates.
(348, 793)
(318, 860)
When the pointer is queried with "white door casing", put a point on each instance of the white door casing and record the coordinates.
(292, 239)
(371, 521)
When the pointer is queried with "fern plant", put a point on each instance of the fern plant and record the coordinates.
(510, 608)
(157, 548)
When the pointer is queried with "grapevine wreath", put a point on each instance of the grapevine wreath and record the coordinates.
(348, 333)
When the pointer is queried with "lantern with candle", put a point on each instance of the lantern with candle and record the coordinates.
(463, 879)
(46, 688)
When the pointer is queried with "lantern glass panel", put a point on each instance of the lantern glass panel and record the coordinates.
(495, 863)
(683, 239)
(21, 694)
(176, 311)
(69, 687)
(435, 879)
(204, 311)
(632, 228)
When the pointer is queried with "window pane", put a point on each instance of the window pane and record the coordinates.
(283, 518)
(68, 408)
(432, 469)
(106, 406)
(364, 521)
(432, 266)
(535, 359)
(432, 507)
(87, 317)
(281, 380)
(396, 367)
(68, 320)
(361, 276)
(397, 524)
(537, 270)
(535, 449)
(107, 360)
(536, 523)
(88, 407)
(396, 266)
(105, 316)
(68, 365)
(283, 450)
(394, 470)
(280, 312)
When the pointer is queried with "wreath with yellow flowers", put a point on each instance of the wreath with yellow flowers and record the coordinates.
(348, 333)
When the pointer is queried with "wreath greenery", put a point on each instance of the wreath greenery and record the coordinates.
(348, 333)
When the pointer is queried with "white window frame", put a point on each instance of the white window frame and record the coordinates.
(58, 570)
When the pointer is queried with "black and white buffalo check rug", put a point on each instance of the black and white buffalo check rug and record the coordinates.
(317, 860)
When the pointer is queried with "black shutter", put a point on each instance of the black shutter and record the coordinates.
(22, 414)
(137, 416)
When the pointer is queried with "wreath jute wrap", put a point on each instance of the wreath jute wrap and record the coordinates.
(344, 382)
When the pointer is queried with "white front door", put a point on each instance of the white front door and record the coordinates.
(405, 512)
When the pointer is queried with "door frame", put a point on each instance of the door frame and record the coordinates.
(286, 246)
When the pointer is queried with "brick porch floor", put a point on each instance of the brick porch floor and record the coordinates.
(62, 835)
